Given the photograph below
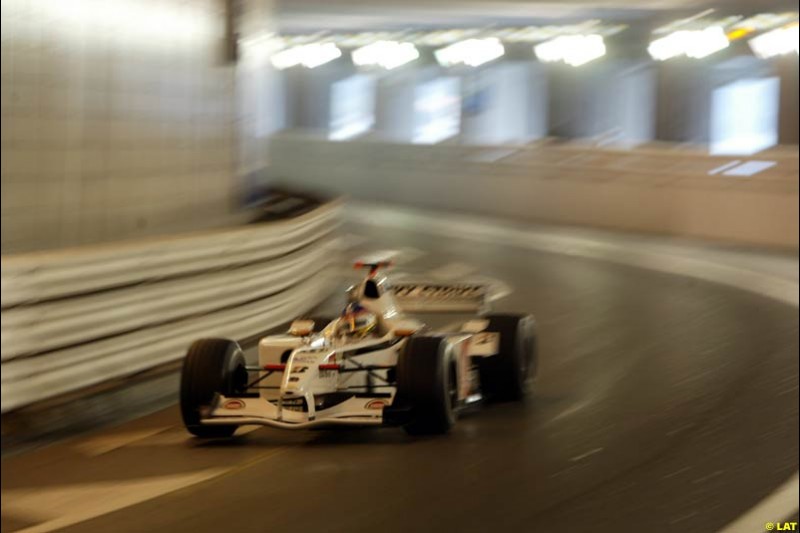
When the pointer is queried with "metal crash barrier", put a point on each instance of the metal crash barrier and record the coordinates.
(75, 318)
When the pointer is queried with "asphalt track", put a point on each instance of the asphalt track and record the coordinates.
(662, 403)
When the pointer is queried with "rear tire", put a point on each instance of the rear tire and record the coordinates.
(427, 383)
(211, 367)
(507, 375)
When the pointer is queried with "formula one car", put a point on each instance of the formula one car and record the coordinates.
(372, 365)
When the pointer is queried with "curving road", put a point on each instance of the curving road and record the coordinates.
(663, 403)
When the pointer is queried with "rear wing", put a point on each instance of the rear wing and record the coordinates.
(424, 297)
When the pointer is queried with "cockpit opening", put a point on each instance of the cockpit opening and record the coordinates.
(371, 290)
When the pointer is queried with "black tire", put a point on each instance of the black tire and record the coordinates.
(507, 375)
(211, 367)
(426, 382)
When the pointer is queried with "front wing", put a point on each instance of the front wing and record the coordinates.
(356, 411)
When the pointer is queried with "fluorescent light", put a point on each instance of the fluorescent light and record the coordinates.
(776, 42)
(575, 50)
(309, 55)
(386, 54)
(472, 52)
(690, 43)
(319, 54)
(672, 45)
(706, 42)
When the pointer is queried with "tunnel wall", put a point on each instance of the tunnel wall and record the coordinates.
(613, 99)
(117, 118)
(674, 192)
(76, 318)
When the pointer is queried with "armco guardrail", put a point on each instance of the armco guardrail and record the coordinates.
(72, 319)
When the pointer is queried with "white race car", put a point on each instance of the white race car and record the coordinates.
(373, 365)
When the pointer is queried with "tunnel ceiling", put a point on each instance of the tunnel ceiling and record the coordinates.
(305, 15)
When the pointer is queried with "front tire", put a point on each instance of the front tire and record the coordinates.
(427, 383)
(507, 375)
(211, 367)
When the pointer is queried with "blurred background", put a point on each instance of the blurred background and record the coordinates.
(127, 118)
(626, 170)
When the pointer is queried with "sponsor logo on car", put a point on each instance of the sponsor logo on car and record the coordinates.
(376, 404)
(440, 292)
(233, 404)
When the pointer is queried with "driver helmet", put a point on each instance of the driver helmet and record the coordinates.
(356, 321)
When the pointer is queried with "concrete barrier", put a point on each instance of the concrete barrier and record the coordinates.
(660, 190)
